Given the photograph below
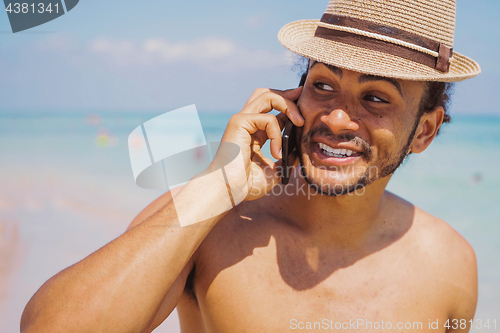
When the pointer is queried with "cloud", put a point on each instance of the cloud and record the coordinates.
(61, 71)
(212, 53)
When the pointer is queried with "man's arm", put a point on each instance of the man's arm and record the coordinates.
(135, 281)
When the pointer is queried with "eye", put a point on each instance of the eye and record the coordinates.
(376, 99)
(323, 86)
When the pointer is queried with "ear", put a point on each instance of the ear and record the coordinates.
(427, 129)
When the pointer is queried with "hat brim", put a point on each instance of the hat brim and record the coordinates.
(299, 38)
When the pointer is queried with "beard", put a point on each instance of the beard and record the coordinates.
(364, 179)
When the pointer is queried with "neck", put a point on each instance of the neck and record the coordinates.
(347, 220)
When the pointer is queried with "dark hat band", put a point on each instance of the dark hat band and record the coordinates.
(441, 63)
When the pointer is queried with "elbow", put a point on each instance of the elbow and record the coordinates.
(35, 321)
(27, 320)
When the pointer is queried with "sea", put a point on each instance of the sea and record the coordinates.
(67, 188)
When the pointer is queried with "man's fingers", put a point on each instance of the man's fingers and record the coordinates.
(277, 100)
(261, 136)
(291, 94)
(269, 124)
(282, 118)
(252, 123)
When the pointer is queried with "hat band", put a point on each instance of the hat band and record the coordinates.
(377, 37)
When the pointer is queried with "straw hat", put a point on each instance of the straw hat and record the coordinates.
(405, 39)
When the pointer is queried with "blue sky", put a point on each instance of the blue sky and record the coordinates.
(161, 55)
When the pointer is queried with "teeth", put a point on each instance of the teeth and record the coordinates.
(335, 152)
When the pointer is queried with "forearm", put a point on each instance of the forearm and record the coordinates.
(120, 287)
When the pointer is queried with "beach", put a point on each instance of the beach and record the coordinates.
(66, 189)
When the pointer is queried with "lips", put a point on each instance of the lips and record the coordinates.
(332, 149)
(340, 153)
(334, 156)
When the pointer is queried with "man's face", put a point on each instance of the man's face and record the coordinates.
(357, 129)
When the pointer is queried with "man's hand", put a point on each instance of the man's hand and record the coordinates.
(250, 129)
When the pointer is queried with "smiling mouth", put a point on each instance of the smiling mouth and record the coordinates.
(338, 153)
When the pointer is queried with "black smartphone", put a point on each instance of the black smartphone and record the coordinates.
(289, 143)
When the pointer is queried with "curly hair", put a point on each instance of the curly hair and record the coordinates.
(436, 94)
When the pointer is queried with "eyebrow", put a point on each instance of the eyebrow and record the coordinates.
(335, 70)
(369, 78)
(363, 78)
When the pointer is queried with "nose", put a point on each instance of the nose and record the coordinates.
(339, 121)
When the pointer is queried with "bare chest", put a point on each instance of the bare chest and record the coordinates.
(276, 288)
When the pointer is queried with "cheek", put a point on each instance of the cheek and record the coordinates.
(384, 136)
(404, 128)
(385, 141)
(311, 111)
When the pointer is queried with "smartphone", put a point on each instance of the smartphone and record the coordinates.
(289, 143)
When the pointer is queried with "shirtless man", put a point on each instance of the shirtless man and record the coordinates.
(331, 251)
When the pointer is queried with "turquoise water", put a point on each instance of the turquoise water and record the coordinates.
(66, 182)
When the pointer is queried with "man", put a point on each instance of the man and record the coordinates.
(331, 251)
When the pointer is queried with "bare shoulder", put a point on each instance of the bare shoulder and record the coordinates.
(446, 262)
(453, 261)
(248, 229)
(434, 239)
(439, 237)
(247, 224)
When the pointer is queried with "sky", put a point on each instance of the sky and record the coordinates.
(161, 55)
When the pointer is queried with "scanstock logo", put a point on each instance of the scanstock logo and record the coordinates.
(171, 149)
(25, 14)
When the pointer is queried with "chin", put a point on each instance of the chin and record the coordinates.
(323, 182)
